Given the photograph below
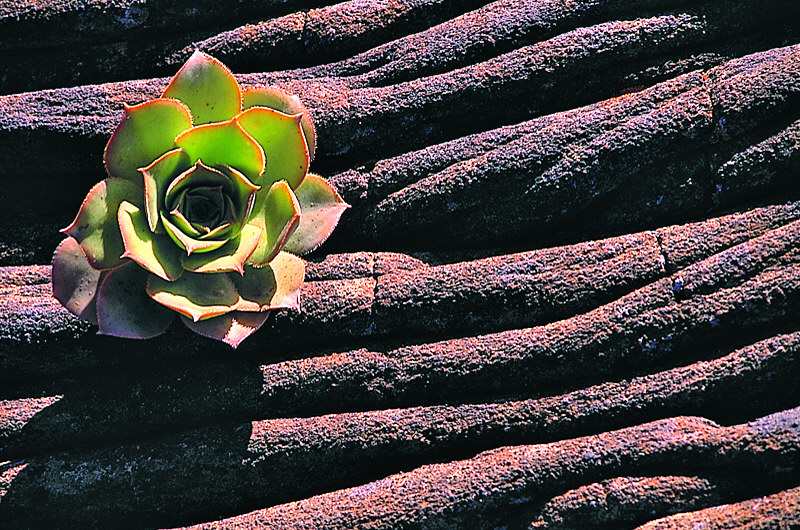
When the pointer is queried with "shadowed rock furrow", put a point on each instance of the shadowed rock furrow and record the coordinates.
(623, 500)
(570, 173)
(272, 461)
(60, 128)
(781, 510)
(297, 39)
(482, 491)
(567, 280)
(51, 23)
(554, 173)
(138, 405)
(530, 317)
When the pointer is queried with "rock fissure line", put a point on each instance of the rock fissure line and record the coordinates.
(368, 407)
(623, 500)
(361, 378)
(781, 510)
(477, 491)
(397, 303)
(274, 459)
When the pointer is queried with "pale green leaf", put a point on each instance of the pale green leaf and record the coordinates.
(124, 309)
(153, 251)
(95, 227)
(321, 207)
(146, 132)
(207, 87)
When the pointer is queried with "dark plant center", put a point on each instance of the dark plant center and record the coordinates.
(204, 207)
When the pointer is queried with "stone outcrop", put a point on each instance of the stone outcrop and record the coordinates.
(567, 294)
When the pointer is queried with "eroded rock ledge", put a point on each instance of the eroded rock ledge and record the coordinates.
(567, 293)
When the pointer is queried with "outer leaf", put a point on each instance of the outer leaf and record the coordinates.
(146, 132)
(231, 328)
(75, 282)
(275, 98)
(230, 257)
(95, 226)
(197, 296)
(157, 177)
(283, 142)
(224, 143)
(207, 87)
(322, 207)
(256, 288)
(154, 252)
(125, 310)
(289, 273)
(277, 214)
(272, 287)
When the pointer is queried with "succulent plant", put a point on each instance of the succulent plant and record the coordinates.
(207, 202)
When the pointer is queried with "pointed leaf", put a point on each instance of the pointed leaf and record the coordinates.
(226, 144)
(154, 252)
(230, 257)
(244, 193)
(95, 226)
(272, 287)
(275, 98)
(198, 296)
(277, 214)
(75, 282)
(198, 175)
(239, 191)
(183, 224)
(283, 142)
(256, 288)
(321, 209)
(231, 328)
(226, 231)
(146, 132)
(207, 87)
(289, 273)
(125, 310)
(188, 243)
(157, 177)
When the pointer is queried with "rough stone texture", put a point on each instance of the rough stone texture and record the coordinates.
(552, 187)
(567, 294)
(477, 491)
(196, 394)
(781, 510)
(47, 23)
(565, 280)
(624, 499)
(299, 38)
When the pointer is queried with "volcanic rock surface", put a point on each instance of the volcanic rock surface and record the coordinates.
(567, 294)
